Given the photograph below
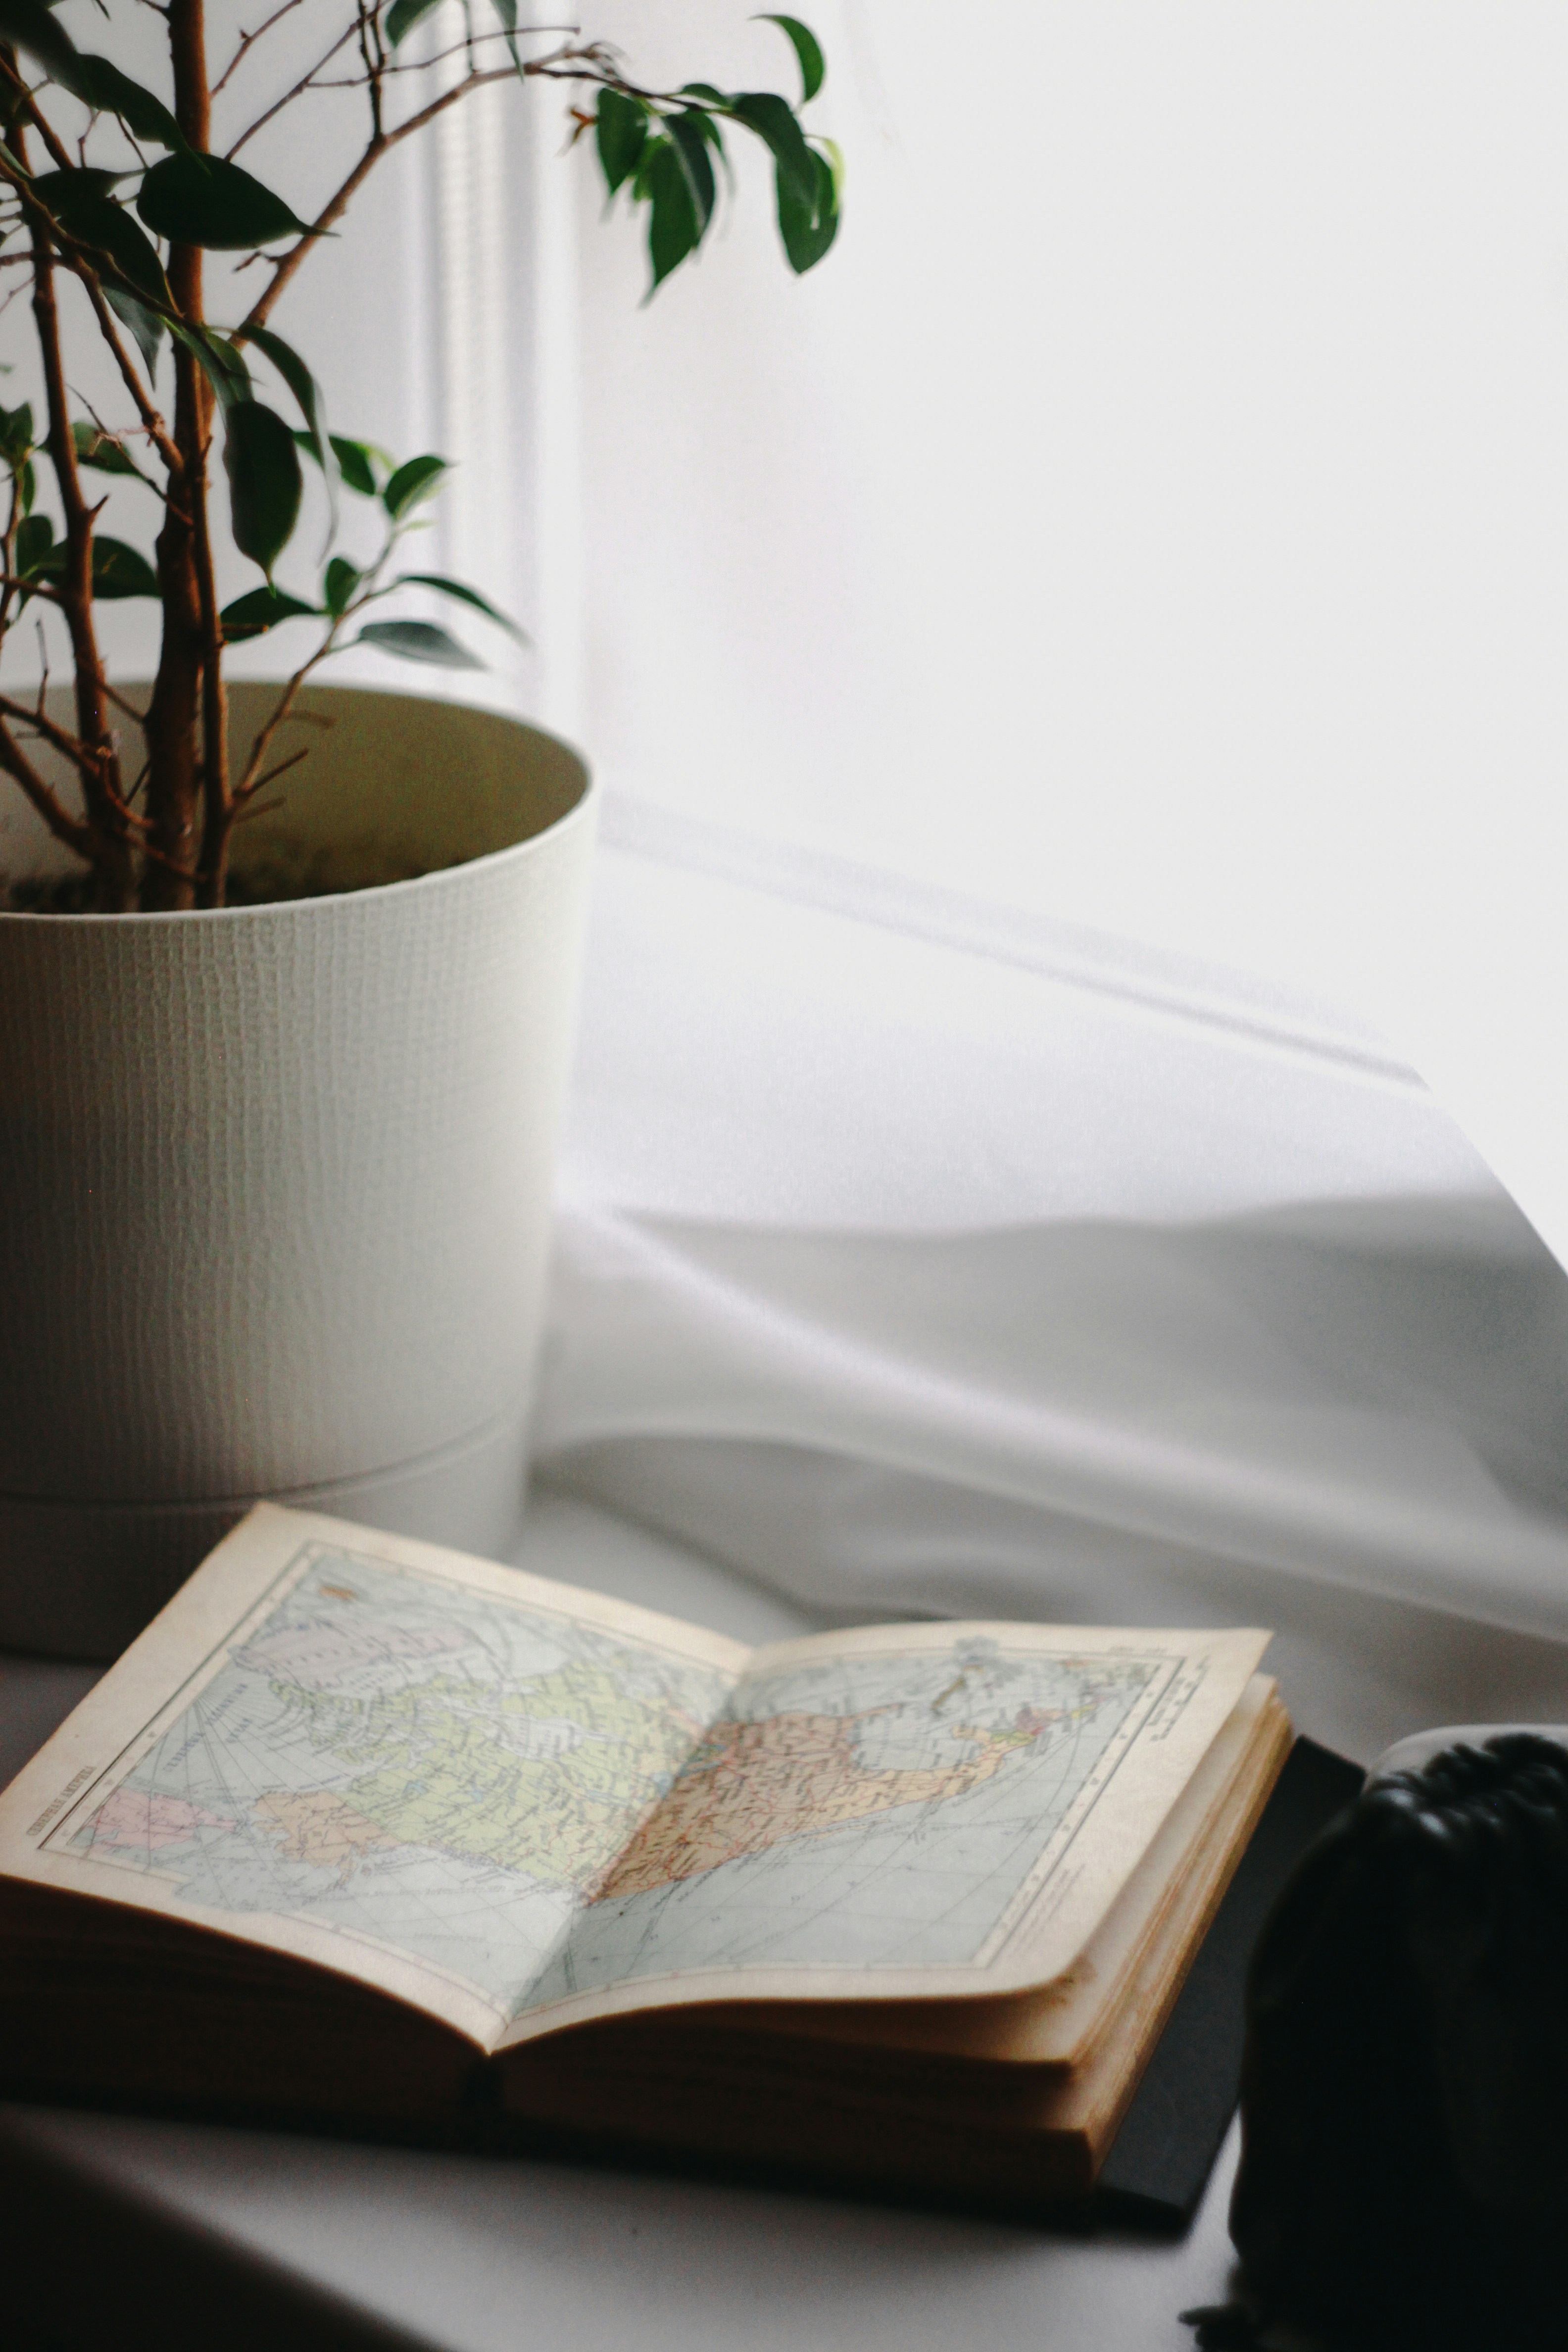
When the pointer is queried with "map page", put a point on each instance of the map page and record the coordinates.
(410, 1762)
(880, 1812)
(518, 1804)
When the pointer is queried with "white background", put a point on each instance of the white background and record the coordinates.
(1154, 511)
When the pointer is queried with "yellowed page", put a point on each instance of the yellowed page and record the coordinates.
(516, 1804)
(403, 1764)
(901, 1812)
(1056, 2024)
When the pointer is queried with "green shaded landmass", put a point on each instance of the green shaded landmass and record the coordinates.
(548, 1778)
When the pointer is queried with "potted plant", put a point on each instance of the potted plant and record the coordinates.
(287, 972)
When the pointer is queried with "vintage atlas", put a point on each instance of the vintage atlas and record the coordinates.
(366, 1834)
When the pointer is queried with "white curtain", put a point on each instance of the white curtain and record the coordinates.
(907, 1274)
(1152, 513)
(1138, 551)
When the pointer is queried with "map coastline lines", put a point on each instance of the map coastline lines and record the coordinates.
(540, 1804)
(751, 1785)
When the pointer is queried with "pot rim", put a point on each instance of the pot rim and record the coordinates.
(584, 808)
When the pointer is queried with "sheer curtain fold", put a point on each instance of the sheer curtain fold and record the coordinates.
(1340, 1408)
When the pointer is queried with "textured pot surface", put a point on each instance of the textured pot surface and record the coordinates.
(275, 1180)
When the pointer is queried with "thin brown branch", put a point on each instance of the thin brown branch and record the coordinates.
(10, 579)
(9, 584)
(272, 777)
(131, 712)
(300, 87)
(59, 737)
(251, 781)
(19, 768)
(373, 50)
(216, 799)
(593, 63)
(60, 740)
(336, 205)
(100, 773)
(152, 417)
(247, 42)
(173, 731)
(34, 113)
(118, 440)
(241, 800)
(180, 873)
(79, 260)
(462, 48)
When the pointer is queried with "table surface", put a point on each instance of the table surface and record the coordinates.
(174, 2227)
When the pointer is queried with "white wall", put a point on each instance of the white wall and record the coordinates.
(1156, 511)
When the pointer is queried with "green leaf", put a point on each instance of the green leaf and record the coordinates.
(264, 481)
(507, 11)
(308, 393)
(355, 460)
(120, 570)
(402, 17)
(772, 119)
(411, 484)
(16, 431)
(812, 65)
(299, 381)
(103, 87)
(260, 609)
(707, 128)
(29, 488)
(354, 464)
(94, 219)
(99, 85)
(446, 587)
(620, 132)
(58, 190)
(28, 26)
(807, 230)
(145, 325)
(691, 146)
(339, 584)
(419, 641)
(204, 200)
(673, 230)
(219, 361)
(94, 447)
(35, 538)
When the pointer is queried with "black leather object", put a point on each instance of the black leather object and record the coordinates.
(1405, 2084)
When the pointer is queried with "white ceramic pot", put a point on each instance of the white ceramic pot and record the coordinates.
(275, 1180)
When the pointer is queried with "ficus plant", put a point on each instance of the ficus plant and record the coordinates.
(111, 193)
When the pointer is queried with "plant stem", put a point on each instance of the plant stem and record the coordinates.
(100, 768)
(380, 142)
(186, 660)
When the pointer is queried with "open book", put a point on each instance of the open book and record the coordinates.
(366, 1833)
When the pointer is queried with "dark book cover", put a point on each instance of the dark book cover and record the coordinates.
(1161, 2160)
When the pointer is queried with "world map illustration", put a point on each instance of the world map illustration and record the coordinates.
(538, 1806)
